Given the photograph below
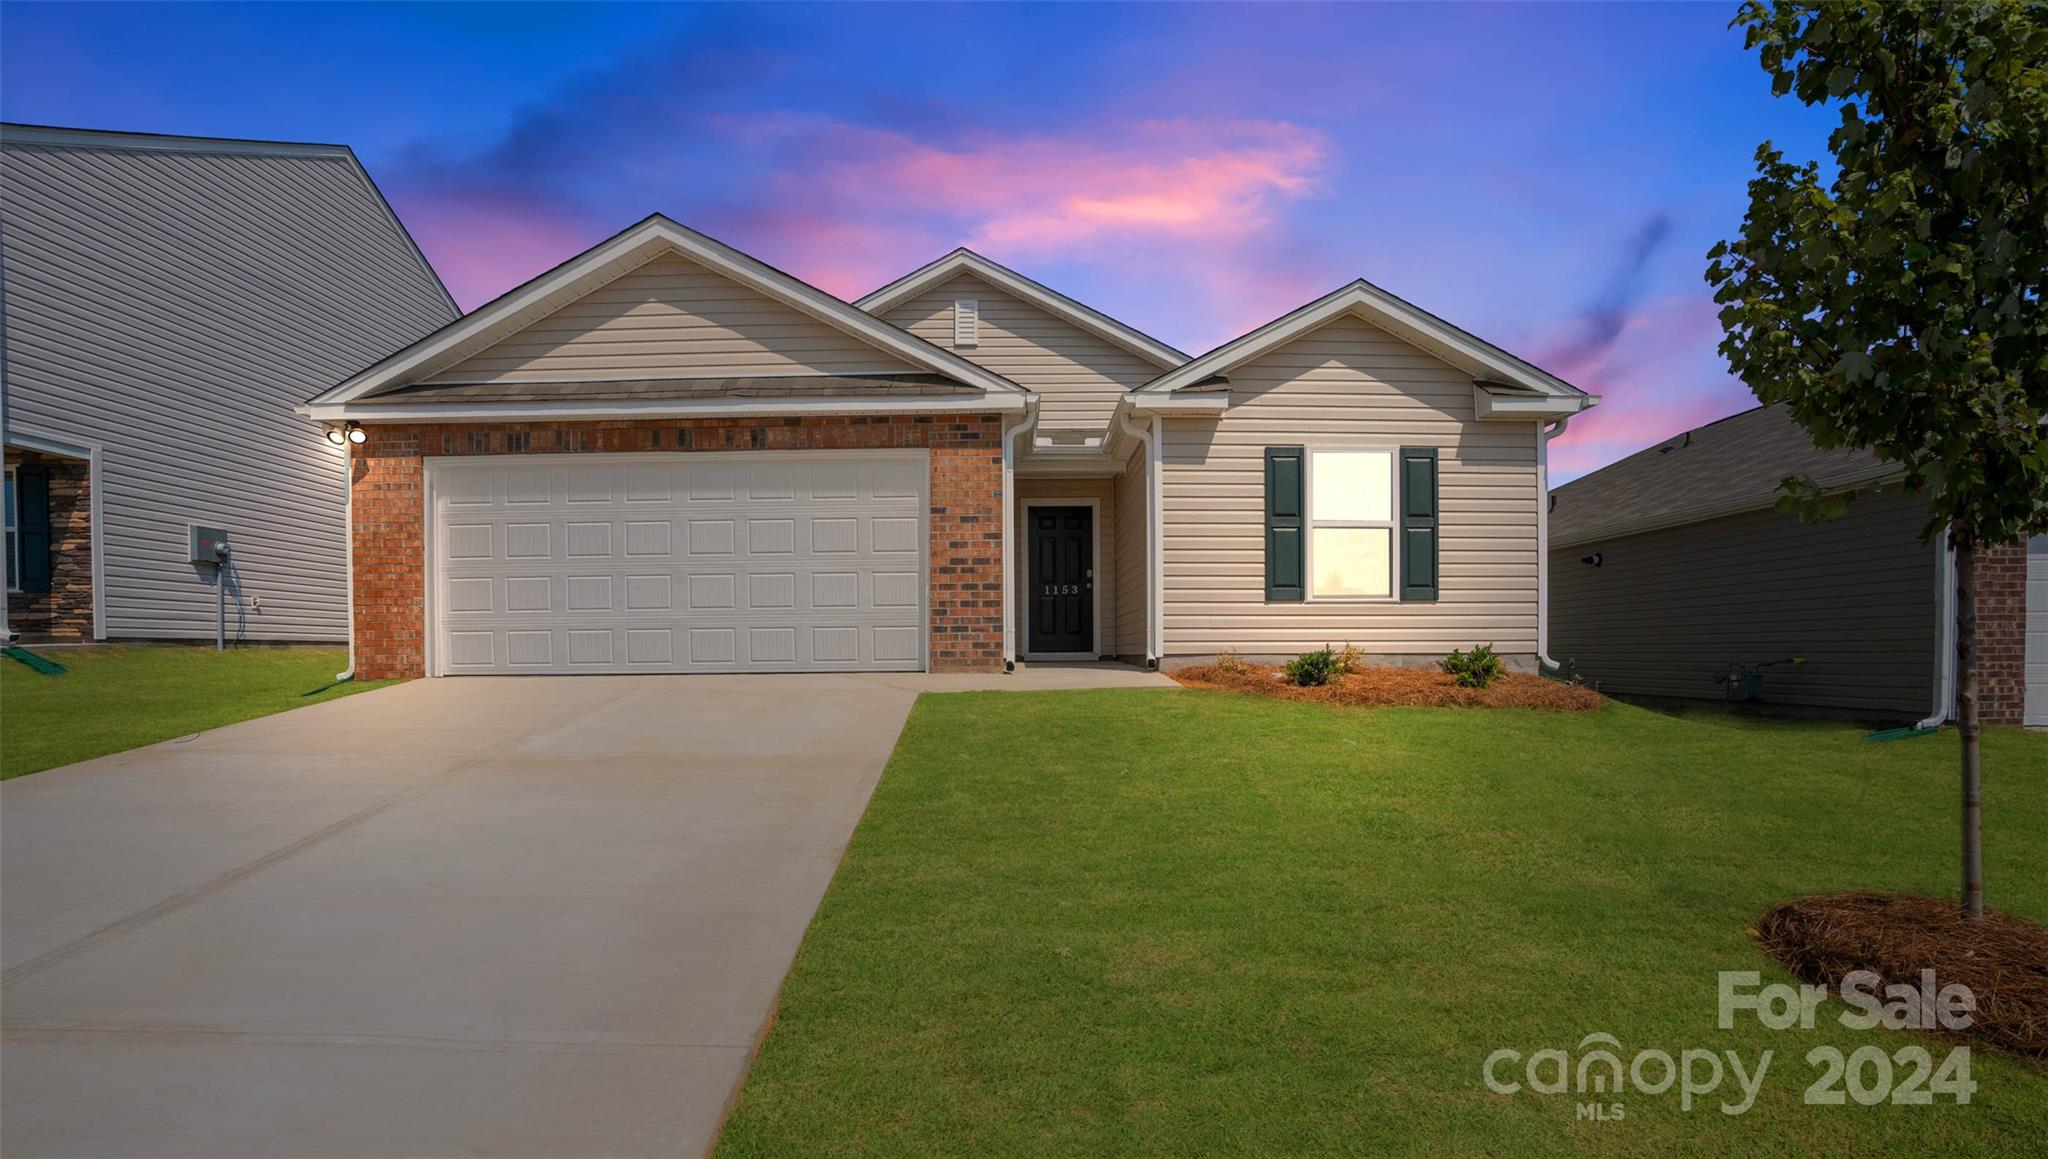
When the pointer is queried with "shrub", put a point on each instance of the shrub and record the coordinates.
(1475, 669)
(1349, 659)
(1313, 668)
(1231, 664)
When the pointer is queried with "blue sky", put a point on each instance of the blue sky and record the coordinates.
(1548, 176)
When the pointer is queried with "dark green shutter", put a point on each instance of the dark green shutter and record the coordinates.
(1418, 523)
(32, 526)
(1285, 468)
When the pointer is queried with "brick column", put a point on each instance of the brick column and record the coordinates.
(2002, 633)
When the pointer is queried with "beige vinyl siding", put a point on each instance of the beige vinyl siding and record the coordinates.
(1052, 492)
(671, 318)
(1348, 384)
(172, 303)
(1131, 583)
(1852, 596)
(1078, 376)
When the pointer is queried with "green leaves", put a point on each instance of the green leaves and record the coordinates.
(1903, 307)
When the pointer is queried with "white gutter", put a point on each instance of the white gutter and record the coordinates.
(1543, 436)
(1010, 438)
(1155, 569)
(348, 553)
(1944, 632)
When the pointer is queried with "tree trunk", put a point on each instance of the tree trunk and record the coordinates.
(1966, 719)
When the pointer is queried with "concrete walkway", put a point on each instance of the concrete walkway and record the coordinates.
(503, 916)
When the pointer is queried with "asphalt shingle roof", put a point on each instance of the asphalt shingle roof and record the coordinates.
(1719, 469)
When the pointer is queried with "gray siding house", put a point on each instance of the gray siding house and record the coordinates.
(167, 299)
(1672, 564)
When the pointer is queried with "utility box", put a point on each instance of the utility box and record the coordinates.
(209, 545)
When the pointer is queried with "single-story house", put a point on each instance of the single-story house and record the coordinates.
(166, 300)
(666, 456)
(1671, 565)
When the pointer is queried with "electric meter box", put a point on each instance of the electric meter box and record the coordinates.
(209, 545)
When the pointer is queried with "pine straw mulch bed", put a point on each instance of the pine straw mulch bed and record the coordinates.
(2002, 959)
(1385, 687)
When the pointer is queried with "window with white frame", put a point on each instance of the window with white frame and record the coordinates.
(1351, 524)
(13, 538)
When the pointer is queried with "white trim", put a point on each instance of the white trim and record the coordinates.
(1156, 499)
(1392, 524)
(1053, 302)
(1010, 438)
(1095, 557)
(1491, 404)
(1206, 402)
(1403, 319)
(429, 543)
(427, 412)
(93, 454)
(1544, 434)
(632, 247)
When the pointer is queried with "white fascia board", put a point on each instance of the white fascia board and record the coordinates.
(507, 312)
(1740, 505)
(1494, 405)
(1044, 297)
(1402, 319)
(1208, 402)
(367, 410)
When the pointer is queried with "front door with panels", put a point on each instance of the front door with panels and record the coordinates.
(700, 562)
(1062, 580)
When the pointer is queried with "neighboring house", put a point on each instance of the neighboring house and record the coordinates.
(166, 301)
(666, 456)
(1673, 563)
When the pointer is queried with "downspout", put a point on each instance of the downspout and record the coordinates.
(1548, 432)
(1944, 632)
(1029, 421)
(348, 553)
(1148, 436)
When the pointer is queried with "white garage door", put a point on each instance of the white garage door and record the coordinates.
(2037, 630)
(688, 562)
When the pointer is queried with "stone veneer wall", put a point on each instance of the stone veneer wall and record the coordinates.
(65, 611)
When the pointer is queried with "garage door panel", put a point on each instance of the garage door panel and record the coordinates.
(680, 563)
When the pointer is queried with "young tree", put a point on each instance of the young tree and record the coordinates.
(1898, 307)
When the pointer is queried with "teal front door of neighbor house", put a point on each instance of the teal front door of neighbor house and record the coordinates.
(1062, 552)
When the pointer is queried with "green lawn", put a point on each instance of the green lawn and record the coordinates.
(116, 698)
(1188, 923)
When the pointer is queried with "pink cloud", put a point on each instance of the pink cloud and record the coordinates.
(483, 246)
(1660, 376)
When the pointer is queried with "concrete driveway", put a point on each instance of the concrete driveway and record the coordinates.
(506, 916)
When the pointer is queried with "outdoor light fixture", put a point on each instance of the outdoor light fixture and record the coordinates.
(335, 436)
(348, 432)
(356, 434)
(1596, 559)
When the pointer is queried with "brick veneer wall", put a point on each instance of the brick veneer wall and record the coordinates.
(2002, 633)
(65, 611)
(965, 518)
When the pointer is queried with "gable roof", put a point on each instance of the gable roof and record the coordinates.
(1723, 468)
(623, 251)
(966, 261)
(1404, 320)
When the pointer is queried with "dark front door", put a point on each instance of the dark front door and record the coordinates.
(1062, 552)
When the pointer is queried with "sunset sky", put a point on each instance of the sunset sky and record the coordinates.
(1547, 176)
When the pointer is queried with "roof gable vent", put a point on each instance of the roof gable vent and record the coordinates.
(966, 322)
